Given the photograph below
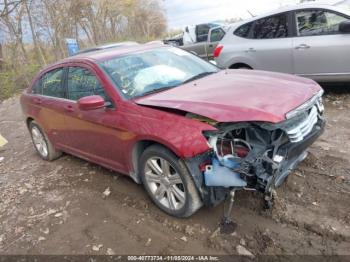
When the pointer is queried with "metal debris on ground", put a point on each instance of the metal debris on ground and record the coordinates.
(148, 243)
(3, 141)
(110, 252)
(106, 193)
(184, 239)
(242, 251)
(97, 247)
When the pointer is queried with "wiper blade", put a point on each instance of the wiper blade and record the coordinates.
(156, 90)
(201, 75)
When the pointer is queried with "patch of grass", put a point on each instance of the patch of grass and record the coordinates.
(13, 81)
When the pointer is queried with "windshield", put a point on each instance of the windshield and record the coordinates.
(152, 71)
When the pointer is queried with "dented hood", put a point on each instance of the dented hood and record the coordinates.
(237, 95)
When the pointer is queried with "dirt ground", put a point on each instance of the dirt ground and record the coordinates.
(59, 207)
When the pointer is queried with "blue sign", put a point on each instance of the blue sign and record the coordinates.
(72, 46)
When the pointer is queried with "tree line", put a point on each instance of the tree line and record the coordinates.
(46, 23)
(33, 32)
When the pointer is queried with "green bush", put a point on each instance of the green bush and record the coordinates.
(14, 81)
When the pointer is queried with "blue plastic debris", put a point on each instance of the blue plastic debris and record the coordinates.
(218, 175)
(229, 162)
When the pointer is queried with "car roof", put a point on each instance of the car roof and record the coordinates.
(104, 54)
(291, 8)
(106, 46)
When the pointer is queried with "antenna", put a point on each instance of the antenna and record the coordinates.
(250, 13)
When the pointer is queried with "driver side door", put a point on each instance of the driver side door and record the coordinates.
(92, 134)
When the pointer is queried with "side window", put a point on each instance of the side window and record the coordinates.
(243, 30)
(202, 32)
(318, 22)
(271, 27)
(51, 83)
(81, 83)
(217, 34)
(37, 87)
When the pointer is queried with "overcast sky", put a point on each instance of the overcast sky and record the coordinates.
(186, 12)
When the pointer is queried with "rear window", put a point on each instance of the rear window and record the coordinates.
(243, 30)
(37, 87)
(271, 27)
(217, 34)
(51, 83)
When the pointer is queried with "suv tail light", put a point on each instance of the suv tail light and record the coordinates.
(217, 50)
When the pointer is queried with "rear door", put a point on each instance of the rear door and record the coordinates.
(198, 49)
(92, 134)
(48, 104)
(214, 37)
(319, 48)
(200, 46)
(270, 46)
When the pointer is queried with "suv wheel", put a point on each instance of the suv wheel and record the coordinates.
(168, 182)
(42, 144)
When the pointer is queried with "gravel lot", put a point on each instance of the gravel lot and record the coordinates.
(59, 207)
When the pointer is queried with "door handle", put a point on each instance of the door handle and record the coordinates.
(210, 45)
(69, 108)
(302, 46)
(250, 50)
(37, 101)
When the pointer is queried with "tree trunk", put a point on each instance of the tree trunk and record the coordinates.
(1, 58)
(38, 51)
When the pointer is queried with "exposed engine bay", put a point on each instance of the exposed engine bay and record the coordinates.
(259, 156)
(248, 156)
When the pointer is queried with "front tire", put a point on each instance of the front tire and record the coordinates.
(42, 144)
(168, 183)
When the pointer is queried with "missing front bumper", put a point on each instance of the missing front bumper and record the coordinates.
(251, 174)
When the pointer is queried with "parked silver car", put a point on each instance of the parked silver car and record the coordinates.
(205, 49)
(310, 40)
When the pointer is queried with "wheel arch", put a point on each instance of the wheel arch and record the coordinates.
(138, 148)
(239, 65)
(29, 120)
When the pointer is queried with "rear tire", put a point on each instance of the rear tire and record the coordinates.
(42, 144)
(168, 182)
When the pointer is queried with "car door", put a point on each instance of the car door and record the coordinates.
(200, 46)
(48, 104)
(319, 48)
(270, 46)
(92, 134)
(198, 49)
(214, 37)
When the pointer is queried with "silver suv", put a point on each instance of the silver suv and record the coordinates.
(307, 40)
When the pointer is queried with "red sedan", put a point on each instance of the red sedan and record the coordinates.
(186, 130)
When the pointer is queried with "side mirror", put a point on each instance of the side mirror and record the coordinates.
(344, 27)
(91, 102)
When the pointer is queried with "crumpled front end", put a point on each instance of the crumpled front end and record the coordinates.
(258, 156)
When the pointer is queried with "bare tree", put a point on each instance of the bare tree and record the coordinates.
(8, 6)
(37, 48)
(91, 22)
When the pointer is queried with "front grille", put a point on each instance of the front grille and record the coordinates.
(298, 131)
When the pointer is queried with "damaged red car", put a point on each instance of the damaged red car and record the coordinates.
(188, 131)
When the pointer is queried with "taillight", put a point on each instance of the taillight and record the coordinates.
(217, 50)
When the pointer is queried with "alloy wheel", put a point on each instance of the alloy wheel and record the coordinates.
(165, 183)
(39, 142)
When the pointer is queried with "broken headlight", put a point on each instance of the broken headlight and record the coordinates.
(315, 100)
